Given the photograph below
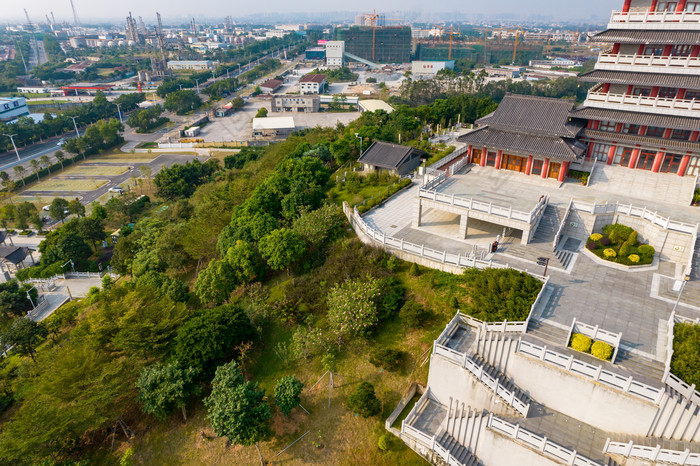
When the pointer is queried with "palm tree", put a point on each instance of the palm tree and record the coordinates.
(7, 184)
(60, 156)
(46, 161)
(35, 166)
(19, 171)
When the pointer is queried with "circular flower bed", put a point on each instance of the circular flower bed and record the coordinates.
(619, 243)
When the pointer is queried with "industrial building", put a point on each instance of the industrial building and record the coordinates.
(372, 105)
(12, 107)
(430, 68)
(335, 51)
(315, 53)
(296, 103)
(191, 65)
(312, 84)
(271, 85)
(388, 44)
(273, 127)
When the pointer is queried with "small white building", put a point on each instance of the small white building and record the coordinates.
(33, 90)
(312, 84)
(423, 67)
(335, 51)
(273, 126)
(184, 65)
(372, 105)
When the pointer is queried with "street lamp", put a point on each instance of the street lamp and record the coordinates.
(239, 69)
(12, 138)
(75, 125)
(119, 109)
(685, 280)
(226, 73)
(30, 296)
(197, 81)
(357, 135)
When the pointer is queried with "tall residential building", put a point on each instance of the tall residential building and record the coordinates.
(644, 110)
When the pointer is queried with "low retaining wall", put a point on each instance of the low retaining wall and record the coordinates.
(414, 388)
(596, 334)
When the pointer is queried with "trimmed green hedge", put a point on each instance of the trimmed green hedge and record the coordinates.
(602, 350)
(581, 342)
(599, 349)
(393, 189)
(686, 353)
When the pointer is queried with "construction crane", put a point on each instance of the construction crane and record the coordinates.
(486, 34)
(76, 21)
(515, 47)
(161, 37)
(29, 21)
(373, 22)
(439, 28)
(573, 44)
(53, 19)
(452, 33)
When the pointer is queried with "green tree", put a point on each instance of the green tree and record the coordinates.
(352, 307)
(363, 401)
(99, 212)
(19, 172)
(262, 113)
(25, 335)
(236, 408)
(287, 393)
(60, 156)
(215, 283)
(76, 207)
(206, 339)
(35, 166)
(163, 388)
(46, 162)
(182, 102)
(58, 208)
(280, 248)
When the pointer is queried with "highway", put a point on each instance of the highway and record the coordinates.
(48, 147)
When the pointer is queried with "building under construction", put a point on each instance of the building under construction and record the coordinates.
(489, 53)
(387, 44)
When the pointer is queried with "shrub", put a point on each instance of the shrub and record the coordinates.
(352, 307)
(686, 353)
(633, 258)
(386, 358)
(609, 253)
(602, 350)
(454, 303)
(596, 237)
(592, 245)
(632, 239)
(624, 249)
(413, 314)
(364, 402)
(414, 271)
(383, 443)
(605, 241)
(581, 342)
(646, 251)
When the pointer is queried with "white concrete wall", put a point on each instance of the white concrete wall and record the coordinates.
(594, 404)
(498, 450)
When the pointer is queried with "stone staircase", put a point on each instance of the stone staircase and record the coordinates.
(502, 379)
(644, 369)
(677, 418)
(549, 225)
(548, 333)
(559, 258)
(462, 432)
(458, 451)
(495, 348)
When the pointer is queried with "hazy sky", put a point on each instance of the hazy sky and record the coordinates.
(87, 9)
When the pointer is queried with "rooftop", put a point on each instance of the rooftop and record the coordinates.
(641, 79)
(272, 84)
(372, 105)
(661, 37)
(313, 78)
(386, 155)
(273, 123)
(645, 119)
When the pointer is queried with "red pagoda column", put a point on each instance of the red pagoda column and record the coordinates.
(684, 165)
(634, 158)
(563, 171)
(658, 160)
(545, 168)
(528, 168)
(499, 156)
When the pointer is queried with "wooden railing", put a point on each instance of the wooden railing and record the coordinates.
(541, 444)
(589, 371)
(655, 454)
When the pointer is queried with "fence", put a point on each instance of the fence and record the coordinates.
(640, 212)
(686, 390)
(541, 444)
(655, 454)
(564, 219)
(412, 431)
(596, 334)
(449, 158)
(41, 307)
(595, 373)
(428, 192)
(691, 254)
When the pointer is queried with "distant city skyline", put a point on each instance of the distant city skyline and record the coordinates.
(102, 10)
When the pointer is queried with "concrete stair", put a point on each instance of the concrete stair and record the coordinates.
(462, 432)
(495, 348)
(502, 379)
(549, 225)
(676, 418)
(549, 334)
(644, 369)
(559, 258)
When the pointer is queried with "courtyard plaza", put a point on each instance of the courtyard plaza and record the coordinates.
(636, 303)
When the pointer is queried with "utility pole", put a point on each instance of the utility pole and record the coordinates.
(75, 125)
(120, 113)
(357, 135)
(12, 138)
(197, 81)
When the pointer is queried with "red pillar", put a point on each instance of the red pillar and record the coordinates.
(606, 88)
(626, 6)
(589, 125)
(618, 128)
(469, 153)
(654, 91)
(596, 125)
(681, 6)
(484, 154)
(667, 133)
(681, 94)
(640, 50)
(684, 165)
(653, 5)
(657, 161)
(589, 152)
(616, 49)
(545, 168)
(643, 130)
(611, 154)
(499, 156)
(634, 158)
(563, 171)
(528, 167)
(667, 50)
(694, 136)
(696, 51)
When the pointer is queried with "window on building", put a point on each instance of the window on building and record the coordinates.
(630, 129)
(600, 152)
(646, 160)
(693, 168)
(692, 6)
(537, 167)
(491, 159)
(692, 95)
(645, 91)
(680, 134)
(681, 50)
(666, 6)
(668, 92)
(671, 163)
(607, 126)
(657, 50)
(655, 131)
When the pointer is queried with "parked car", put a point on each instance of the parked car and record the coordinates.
(116, 189)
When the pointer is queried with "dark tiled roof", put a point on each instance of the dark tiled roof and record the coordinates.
(3, 235)
(642, 79)
(13, 254)
(566, 149)
(388, 156)
(313, 78)
(272, 84)
(644, 141)
(533, 115)
(637, 118)
(630, 36)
